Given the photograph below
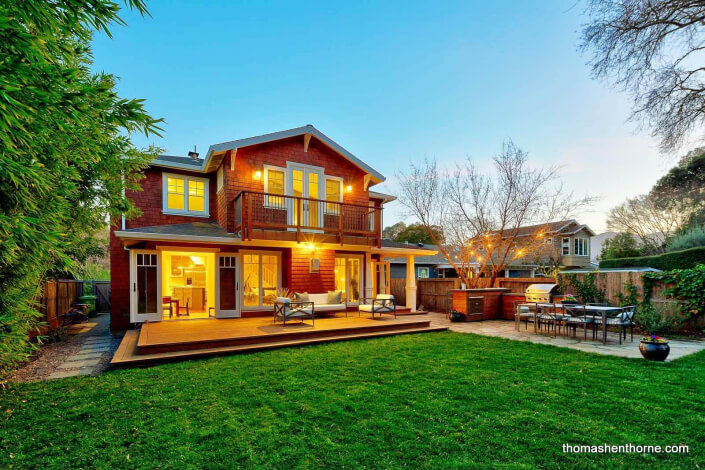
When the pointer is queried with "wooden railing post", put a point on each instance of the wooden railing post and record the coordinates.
(249, 218)
(378, 227)
(298, 219)
(340, 223)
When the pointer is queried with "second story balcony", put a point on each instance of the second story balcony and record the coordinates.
(279, 217)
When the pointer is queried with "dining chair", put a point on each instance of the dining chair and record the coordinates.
(580, 317)
(180, 308)
(167, 304)
(622, 319)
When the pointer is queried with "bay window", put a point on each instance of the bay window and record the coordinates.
(581, 247)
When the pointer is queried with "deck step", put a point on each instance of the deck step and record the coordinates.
(148, 345)
(127, 353)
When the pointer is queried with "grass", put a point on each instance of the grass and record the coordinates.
(429, 401)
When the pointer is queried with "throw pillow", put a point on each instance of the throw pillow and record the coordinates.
(334, 297)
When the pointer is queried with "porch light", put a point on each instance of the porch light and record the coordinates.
(348, 188)
(311, 247)
(258, 174)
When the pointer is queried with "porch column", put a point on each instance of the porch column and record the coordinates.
(369, 278)
(410, 283)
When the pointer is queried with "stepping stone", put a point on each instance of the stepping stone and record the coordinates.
(95, 349)
(69, 373)
(86, 356)
(77, 364)
(97, 343)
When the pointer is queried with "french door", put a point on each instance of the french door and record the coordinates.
(227, 303)
(306, 183)
(145, 286)
(381, 277)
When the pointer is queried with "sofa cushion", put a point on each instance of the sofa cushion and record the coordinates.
(318, 298)
(334, 296)
(329, 307)
(302, 296)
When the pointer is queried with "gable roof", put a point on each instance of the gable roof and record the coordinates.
(552, 228)
(216, 152)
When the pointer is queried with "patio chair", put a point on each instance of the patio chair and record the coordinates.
(383, 303)
(579, 317)
(524, 313)
(622, 319)
(287, 309)
(168, 304)
(553, 317)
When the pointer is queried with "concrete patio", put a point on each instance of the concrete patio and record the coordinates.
(505, 329)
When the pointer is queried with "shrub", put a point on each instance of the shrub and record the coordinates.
(586, 290)
(685, 284)
(656, 319)
(684, 259)
(693, 238)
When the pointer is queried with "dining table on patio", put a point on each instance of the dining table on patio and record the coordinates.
(603, 310)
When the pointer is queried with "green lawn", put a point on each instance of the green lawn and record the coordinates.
(431, 400)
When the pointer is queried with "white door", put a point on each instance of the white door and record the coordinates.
(145, 286)
(227, 303)
(306, 183)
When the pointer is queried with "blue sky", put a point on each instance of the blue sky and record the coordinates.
(389, 81)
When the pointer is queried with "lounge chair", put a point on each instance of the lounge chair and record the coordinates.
(383, 303)
(287, 309)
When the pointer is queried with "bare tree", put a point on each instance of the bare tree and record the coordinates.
(488, 221)
(653, 49)
(651, 221)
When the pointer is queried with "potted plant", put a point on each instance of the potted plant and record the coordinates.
(654, 348)
(569, 299)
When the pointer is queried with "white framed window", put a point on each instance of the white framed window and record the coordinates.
(184, 195)
(334, 193)
(274, 183)
(261, 277)
(422, 273)
(566, 246)
(581, 247)
(220, 178)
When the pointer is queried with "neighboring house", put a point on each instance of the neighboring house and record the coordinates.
(224, 234)
(565, 244)
(427, 267)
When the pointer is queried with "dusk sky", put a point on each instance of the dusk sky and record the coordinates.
(389, 81)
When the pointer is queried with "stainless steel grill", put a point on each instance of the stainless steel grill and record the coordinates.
(542, 293)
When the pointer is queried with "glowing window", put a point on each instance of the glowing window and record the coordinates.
(186, 195)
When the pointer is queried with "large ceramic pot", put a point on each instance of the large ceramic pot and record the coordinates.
(654, 351)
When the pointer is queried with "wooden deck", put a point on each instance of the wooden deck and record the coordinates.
(176, 340)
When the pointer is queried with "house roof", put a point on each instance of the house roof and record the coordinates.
(438, 258)
(551, 227)
(216, 152)
(384, 197)
(192, 229)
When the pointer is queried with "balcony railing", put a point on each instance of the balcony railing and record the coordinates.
(300, 215)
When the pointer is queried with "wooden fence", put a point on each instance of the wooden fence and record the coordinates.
(57, 297)
(101, 289)
(432, 293)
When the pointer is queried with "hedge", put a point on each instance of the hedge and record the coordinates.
(684, 259)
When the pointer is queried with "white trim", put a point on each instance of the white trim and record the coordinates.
(185, 211)
(585, 243)
(237, 312)
(563, 245)
(151, 316)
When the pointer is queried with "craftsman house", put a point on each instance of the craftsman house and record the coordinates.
(221, 236)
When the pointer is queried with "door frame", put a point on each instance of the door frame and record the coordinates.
(375, 277)
(237, 312)
(152, 316)
(306, 170)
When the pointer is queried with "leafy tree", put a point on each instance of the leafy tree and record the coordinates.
(653, 50)
(417, 233)
(622, 245)
(66, 155)
(392, 231)
(683, 187)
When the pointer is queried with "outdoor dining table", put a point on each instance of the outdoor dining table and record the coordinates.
(604, 310)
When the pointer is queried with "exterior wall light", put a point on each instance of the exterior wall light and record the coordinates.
(258, 174)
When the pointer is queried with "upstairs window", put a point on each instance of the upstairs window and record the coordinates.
(185, 195)
(334, 193)
(581, 247)
(274, 184)
(566, 246)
